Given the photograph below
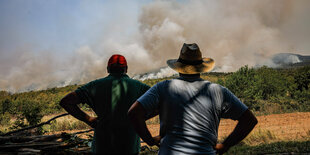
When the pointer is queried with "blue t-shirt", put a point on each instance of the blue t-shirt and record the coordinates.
(190, 111)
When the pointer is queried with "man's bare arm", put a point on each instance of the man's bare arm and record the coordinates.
(70, 102)
(136, 114)
(245, 125)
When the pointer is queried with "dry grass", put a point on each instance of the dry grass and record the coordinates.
(276, 127)
(65, 123)
(274, 134)
(257, 137)
(154, 120)
(260, 137)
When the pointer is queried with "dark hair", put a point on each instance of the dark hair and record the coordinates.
(117, 69)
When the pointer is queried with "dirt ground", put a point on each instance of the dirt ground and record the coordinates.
(290, 126)
(285, 127)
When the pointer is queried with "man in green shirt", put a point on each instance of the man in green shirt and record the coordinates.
(110, 98)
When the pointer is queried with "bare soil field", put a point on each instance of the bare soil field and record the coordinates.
(286, 127)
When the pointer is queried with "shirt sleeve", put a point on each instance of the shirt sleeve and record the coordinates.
(84, 93)
(150, 100)
(232, 107)
(145, 88)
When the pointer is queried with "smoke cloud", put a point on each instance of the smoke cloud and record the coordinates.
(233, 33)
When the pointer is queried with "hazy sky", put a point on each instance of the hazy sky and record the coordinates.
(39, 37)
(48, 43)
(62, 25)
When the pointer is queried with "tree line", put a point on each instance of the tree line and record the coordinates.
(267, 90)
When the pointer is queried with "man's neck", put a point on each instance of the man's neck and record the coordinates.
(117, 74)
(190, 76)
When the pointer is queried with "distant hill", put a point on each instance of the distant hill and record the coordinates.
(288, 60)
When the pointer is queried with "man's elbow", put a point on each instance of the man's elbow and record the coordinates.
(253, 118)
(135, 111)
(248, 118)
(62, 102)
(254, 121)
(70, 98)
(132, 112)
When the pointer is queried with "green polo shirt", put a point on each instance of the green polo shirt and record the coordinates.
(110, 98)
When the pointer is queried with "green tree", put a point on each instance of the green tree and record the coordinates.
(241, 82)
(4, 93)
(302, 78)
(6, 105)
(32, 111)
(268, 83)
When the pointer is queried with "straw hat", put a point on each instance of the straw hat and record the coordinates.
(190, 61)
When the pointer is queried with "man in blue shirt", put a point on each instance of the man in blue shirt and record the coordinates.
(190, 109)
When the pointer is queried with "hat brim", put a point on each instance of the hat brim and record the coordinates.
(206, 66)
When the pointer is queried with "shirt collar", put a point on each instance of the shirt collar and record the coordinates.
(190, 79)
(118, 75)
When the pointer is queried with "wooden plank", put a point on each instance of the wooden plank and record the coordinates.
(42, 138)
(29, 150)
(16, 146)
(60, 146)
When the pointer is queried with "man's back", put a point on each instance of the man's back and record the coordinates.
(110, 98)
(190, 111)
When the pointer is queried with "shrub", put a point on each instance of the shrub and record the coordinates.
(5, 119)
(240, 82)
(18, 123)
(257, 87)
(32, 111)
(266, 107)
(5, 105)
(302, 78)
(268, 83)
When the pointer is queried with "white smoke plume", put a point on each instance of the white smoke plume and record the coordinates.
(162, 73)
(233, 33)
